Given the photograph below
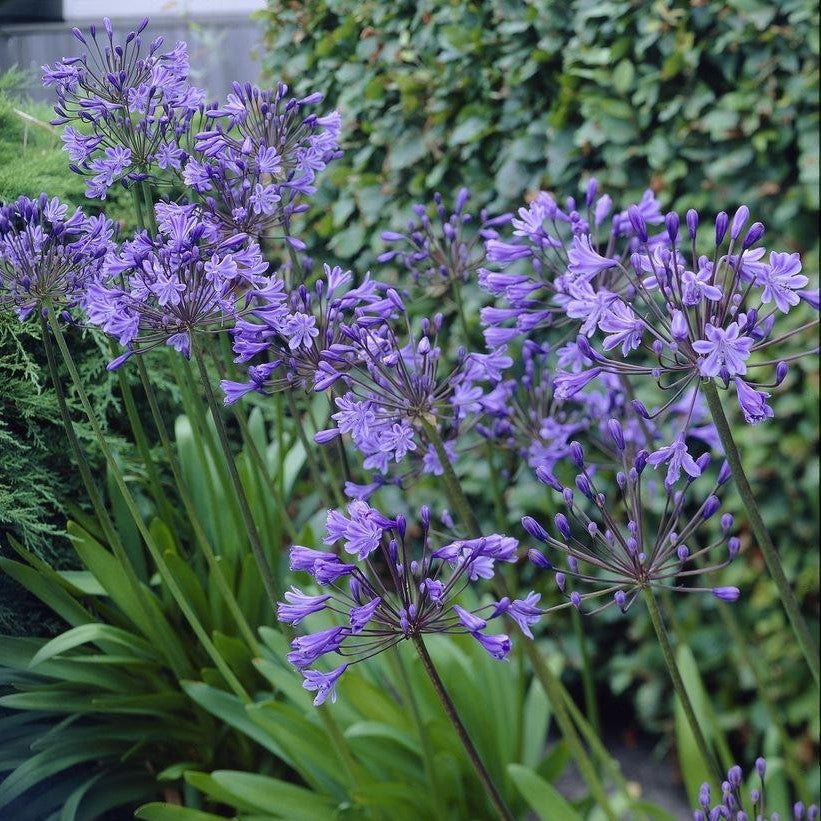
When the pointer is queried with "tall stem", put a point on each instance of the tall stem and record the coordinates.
(268, 580)
(678, 684)
(588, 685)
(100, 512)
(259, 461)
(551, 684)
(765, 542)
(191, 512)
(156, 554)
(313, 466)
(450, 708)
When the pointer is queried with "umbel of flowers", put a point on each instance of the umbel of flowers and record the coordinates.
(391, 587)
(672, 314)
(187, 279)
(48, 257)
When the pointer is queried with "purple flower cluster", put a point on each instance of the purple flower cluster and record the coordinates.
(649, 296)
(134, 107)
(625, 545)
(48, 256)
(396, 388)
(734, 805)
(297, 334)
(389, 589)
(187, 279)
(261, 152)
(441, 250)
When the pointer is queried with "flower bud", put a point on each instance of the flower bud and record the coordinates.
(692, 223)
(712, 504)
(577, 454)
(753, 235)
(576, 600)
(538, 558)
(560, 581)
(535, 529)
(781, 371)
(562, 525)
(724, 474)
(678, 326)
(620, 598)
(739, 221)
(726, 593)
(733, 546)
(722, 223)
(583, 484)
(616, 432)
(726, 522)
(545, 476)
(638, 223)
(640, 409)
(671, 222)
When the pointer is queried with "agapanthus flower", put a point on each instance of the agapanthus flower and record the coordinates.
(746, 803)
(293, 334)
(386, 586)
(396, 387)
(188, 279)
(620, 546)
(48, 256)
(659, 309)
(524, 414)
(450, 248)
(259, 155)
(133, 106)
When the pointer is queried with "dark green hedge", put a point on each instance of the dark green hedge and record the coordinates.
(713, 103)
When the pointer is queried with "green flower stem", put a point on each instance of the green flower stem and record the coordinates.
(191, 512)
(406, 689)
(590, 705)
(109, 531)
(450, 708)
(678, 684)
(156, 554)
(313, 465)
(259, 462)
(266, 574)
(224, 510)
(765, 543)
(141, 440)
(552, 685)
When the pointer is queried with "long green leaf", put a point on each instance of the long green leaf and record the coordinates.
(101, 634)
(541, 796)
(170, 812)
(280, 798)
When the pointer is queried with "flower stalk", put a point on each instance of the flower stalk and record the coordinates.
(550, 682)
(765, 542)
(266, 574)
(450, 709)
(678, 683)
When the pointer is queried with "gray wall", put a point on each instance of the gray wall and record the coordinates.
(221, 49)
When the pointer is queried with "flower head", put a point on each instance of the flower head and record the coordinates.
(618, 547)
(134, 106)
(296, 334)
(48, 257)
(444, 248)
(658, 308)
(185, 280)
(392, 586)
(737, 803)
(261, 152)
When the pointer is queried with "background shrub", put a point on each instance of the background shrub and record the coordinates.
(711, 103)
